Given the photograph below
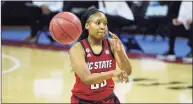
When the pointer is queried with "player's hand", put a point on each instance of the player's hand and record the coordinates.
(115, 42)
(121, 75)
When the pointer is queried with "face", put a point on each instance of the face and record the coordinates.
(97, 25)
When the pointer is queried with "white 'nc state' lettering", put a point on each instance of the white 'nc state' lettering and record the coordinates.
(100, 64)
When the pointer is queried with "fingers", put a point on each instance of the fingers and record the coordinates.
(120, 77)
(113, 35)
(125, 77)
(113, 43)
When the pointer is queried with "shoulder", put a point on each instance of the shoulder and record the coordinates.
(76, 48)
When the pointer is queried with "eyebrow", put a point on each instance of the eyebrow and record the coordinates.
(98, 19)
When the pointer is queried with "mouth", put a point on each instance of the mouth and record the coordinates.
(101, 32)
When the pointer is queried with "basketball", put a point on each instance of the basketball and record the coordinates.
(65, 27)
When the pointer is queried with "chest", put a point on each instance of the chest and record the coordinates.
(96, 49)
(99, 58)
(100, 62)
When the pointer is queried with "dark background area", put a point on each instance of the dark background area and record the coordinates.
(151, 34)
(14, 13)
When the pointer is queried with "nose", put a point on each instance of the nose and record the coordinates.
(102, 26)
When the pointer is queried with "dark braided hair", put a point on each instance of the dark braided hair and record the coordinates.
(84, 20)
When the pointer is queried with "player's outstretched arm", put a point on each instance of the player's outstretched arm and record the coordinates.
(79, 66)
(120, 54)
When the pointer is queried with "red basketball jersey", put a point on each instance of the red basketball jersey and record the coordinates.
(97, 63)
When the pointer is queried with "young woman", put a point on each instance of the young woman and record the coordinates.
(94, 59)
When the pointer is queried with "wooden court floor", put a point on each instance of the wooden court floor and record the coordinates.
(44, 76)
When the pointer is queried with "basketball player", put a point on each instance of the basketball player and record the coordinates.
(93, 60)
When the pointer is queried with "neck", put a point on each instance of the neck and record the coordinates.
(94, 41)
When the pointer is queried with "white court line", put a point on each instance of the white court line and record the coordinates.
(15, 60)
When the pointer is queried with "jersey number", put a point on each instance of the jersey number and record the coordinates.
(99, 85)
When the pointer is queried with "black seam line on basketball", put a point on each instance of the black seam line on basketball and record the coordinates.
(64, 31)
(54, 33)
(71, 22)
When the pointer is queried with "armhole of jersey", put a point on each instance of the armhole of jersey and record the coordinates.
(110, 48)
(84, 49)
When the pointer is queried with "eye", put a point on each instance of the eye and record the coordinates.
(98, 23)
(105, 24)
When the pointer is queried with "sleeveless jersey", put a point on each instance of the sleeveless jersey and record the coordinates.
(97, 63)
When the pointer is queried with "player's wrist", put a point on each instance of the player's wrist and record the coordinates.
(110, 73)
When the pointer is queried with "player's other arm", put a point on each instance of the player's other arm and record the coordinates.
(79, 66)
(120, 54)
(123, 61)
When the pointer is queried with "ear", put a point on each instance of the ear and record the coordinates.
(86, 26)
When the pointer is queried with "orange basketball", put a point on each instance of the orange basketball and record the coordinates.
(65, 27)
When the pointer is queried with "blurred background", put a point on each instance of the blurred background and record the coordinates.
(145, 27)
(157, 36)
